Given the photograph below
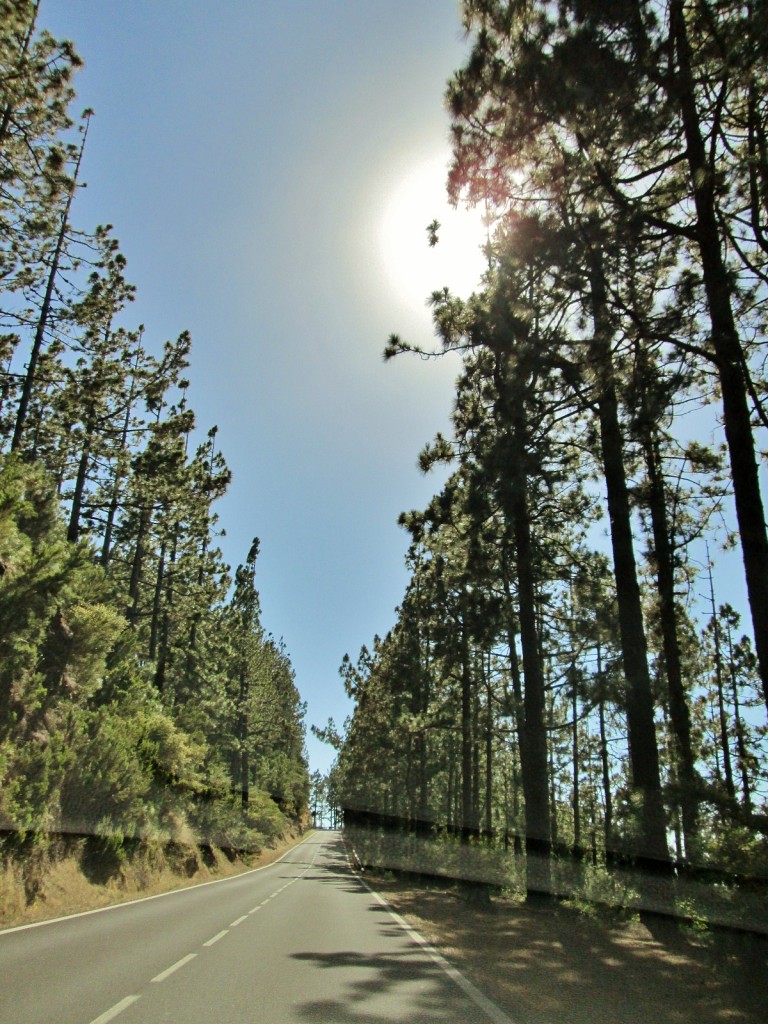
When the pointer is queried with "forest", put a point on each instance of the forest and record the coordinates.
(573, 678)
(141, 700)
(569, 680)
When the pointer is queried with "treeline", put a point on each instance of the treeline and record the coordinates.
(542, 687)
(140, 696)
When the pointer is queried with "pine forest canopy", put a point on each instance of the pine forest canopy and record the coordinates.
(140, 696)
(540, 687)
(554, 682)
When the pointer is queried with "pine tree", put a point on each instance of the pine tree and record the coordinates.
(44, 314)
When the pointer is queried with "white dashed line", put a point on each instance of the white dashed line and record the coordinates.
(253, 910)
(174, 967)
(114, 1010)
(158, 896)
(118, 1008)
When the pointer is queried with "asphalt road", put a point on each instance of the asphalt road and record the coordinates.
(303, 940)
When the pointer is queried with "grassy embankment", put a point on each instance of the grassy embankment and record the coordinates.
(70, 876)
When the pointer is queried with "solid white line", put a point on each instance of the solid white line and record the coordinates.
(174, 967)
(239, 921)
(157, 896)
(489, 1008)
(114, 1010)
(216, 938)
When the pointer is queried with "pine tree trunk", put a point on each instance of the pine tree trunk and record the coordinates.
(137, 567)
(109, 525)
(422, 749)
(678, 704)
(741, 746)
(466, 736)
(73, 529)
(154, 628)
(606, 776)
(643, 747)
(242, 732)
(553, 815)
(449, 818)
(517, 710)
(45, 309)
(578, 852)
(721, 712)
(161, 667)
(729, 356)
(533, 748)
(106, 547)
(723, 719)
(488, 827)
(730, 786)
(475, 763)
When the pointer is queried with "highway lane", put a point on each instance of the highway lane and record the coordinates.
(303, 940)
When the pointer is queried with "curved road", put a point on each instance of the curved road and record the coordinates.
(303, 940)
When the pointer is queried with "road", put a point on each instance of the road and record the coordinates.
(303, 940)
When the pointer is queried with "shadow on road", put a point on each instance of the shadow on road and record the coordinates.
(397, 988)
(554, 966)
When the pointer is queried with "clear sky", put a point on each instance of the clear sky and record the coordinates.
(270, 167)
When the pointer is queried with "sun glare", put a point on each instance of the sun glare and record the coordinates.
(414, 269)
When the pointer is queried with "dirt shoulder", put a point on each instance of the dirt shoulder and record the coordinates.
(554, 965)
(67, 889)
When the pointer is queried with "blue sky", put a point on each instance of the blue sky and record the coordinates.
(269, 168)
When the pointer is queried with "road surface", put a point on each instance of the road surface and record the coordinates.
(303, 940)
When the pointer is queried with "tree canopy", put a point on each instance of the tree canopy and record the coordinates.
(554, 678)
(140, 696)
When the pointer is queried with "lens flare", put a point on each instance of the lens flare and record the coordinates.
(413, 268)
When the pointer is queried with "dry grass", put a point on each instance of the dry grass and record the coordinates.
(552, 965)
(67, 889)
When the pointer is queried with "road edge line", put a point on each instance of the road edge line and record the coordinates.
(156, 896)
(491, 1009)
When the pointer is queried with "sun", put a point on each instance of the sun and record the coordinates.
(413, 270)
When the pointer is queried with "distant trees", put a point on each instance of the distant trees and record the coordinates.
(139, 693)
(564, 699)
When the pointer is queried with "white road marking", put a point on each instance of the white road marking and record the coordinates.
(489, 1008)
(157, 896)
(111, 1013)
(174, 967)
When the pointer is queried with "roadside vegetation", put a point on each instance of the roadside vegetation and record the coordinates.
(572, 686)
(555, 964)
(146, 717)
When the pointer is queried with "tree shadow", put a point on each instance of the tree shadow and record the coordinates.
(552, 965)
(403, 986)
